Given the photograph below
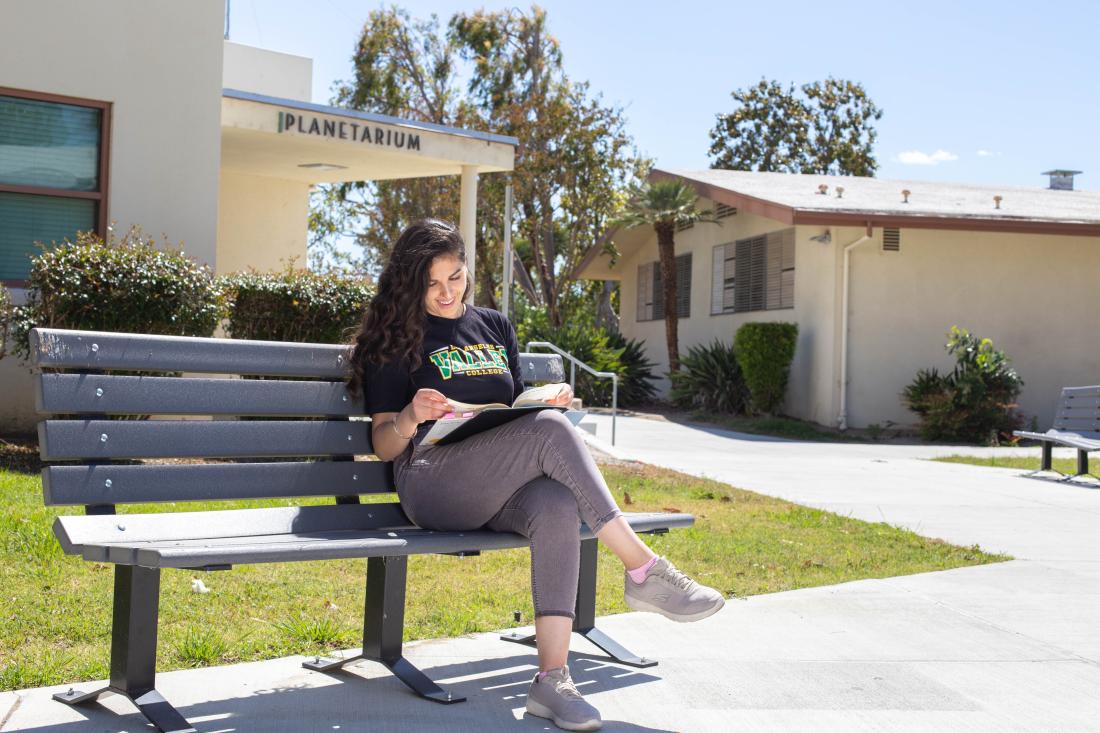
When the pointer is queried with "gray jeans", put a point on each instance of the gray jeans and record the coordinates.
(533, 476)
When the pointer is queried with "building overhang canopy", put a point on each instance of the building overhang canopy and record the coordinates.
(312, 143)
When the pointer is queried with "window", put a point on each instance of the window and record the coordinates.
(53, 171)
(753, 274)
(651, 306)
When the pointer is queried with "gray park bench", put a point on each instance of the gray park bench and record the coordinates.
(307, 415)
(1076, 424)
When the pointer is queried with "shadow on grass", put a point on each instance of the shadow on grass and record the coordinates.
(19, 453)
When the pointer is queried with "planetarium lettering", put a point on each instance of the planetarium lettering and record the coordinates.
(343, 130)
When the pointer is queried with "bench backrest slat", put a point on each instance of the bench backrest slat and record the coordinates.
(61, 440)
(124, 484)
(56, 347)
(71, 349)
(130, 395)
(1078, 409)
(1092, 391)
(77, 530)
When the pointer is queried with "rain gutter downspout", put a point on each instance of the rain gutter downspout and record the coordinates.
(842, 418)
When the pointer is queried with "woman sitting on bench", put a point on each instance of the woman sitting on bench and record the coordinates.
(405, 361)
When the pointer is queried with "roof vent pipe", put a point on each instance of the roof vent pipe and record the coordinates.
(997, 201)
(1061, 179)
(905, 195)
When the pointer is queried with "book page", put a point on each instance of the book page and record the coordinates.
(538, 395)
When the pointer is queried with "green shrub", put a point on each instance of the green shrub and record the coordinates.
(764, 352)
(711, 379)
(294, 305)
(593, 345)
(126, 285)
(975, 402)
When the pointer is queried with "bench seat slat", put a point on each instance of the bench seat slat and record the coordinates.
(132, 395)
(1085, 441)
(80, 485)
(1088, 405)
(74, 531)
(74, 439)
(329, 544)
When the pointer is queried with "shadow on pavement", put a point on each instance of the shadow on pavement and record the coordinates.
(495, 690)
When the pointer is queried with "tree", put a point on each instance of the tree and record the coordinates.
(572, 165)
(574, 159)
(662, 205)
(403, 67)
(828, 129)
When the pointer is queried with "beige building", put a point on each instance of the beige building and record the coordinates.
(875, 273)
(140, 112)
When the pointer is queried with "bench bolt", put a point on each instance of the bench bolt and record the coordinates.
(107, 483)
(95, 347)
(98, 391)
(103, 438)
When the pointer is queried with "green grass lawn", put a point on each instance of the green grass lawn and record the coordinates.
(1030, 463)
(56, 627)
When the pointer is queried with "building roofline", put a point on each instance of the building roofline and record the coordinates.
(787, 214)
(369, 116)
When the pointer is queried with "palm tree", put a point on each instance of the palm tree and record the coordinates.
(664, 205)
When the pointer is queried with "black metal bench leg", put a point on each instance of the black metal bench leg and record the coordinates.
(134, 650)
(1047, 462)
(585, 612)
(383, 626)
(1082, 462)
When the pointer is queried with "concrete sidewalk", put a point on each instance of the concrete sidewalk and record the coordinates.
(1006, 647)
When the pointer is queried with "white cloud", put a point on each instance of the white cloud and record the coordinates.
(917, 157)
(988, 154)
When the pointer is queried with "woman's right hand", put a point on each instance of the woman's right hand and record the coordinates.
(429, 404)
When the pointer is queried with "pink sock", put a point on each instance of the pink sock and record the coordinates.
(638, 574)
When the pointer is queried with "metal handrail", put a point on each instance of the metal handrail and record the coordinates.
(574, 362)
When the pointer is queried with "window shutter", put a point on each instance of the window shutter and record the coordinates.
(717, 278)
(645, 292)
(658, 291)
(683, 285)
(763, 271)
(786, 280)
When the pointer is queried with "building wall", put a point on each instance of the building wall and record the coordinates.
(262, 222)
(1029, 293)
(1033, 295)
(159, 63)
(275, 74)
(809, 395)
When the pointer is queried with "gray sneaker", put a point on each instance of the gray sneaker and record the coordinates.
(672, 594)
(556, 697)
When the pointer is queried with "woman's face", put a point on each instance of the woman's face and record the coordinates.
(446, 284)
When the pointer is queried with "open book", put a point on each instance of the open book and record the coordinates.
(469, 419)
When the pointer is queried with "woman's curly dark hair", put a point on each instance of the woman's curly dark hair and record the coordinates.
(393, 325)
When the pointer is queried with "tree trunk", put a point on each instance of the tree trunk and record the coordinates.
(666, 249)
(605, 314)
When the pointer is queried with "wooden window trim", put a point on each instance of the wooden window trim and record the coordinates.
(100, 196)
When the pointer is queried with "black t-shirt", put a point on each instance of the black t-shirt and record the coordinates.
(473, 358)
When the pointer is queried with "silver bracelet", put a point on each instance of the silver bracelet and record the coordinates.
(399, 435)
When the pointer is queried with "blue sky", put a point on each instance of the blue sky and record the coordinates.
(980, 92)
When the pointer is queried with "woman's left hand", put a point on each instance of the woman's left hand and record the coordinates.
(564, 397)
